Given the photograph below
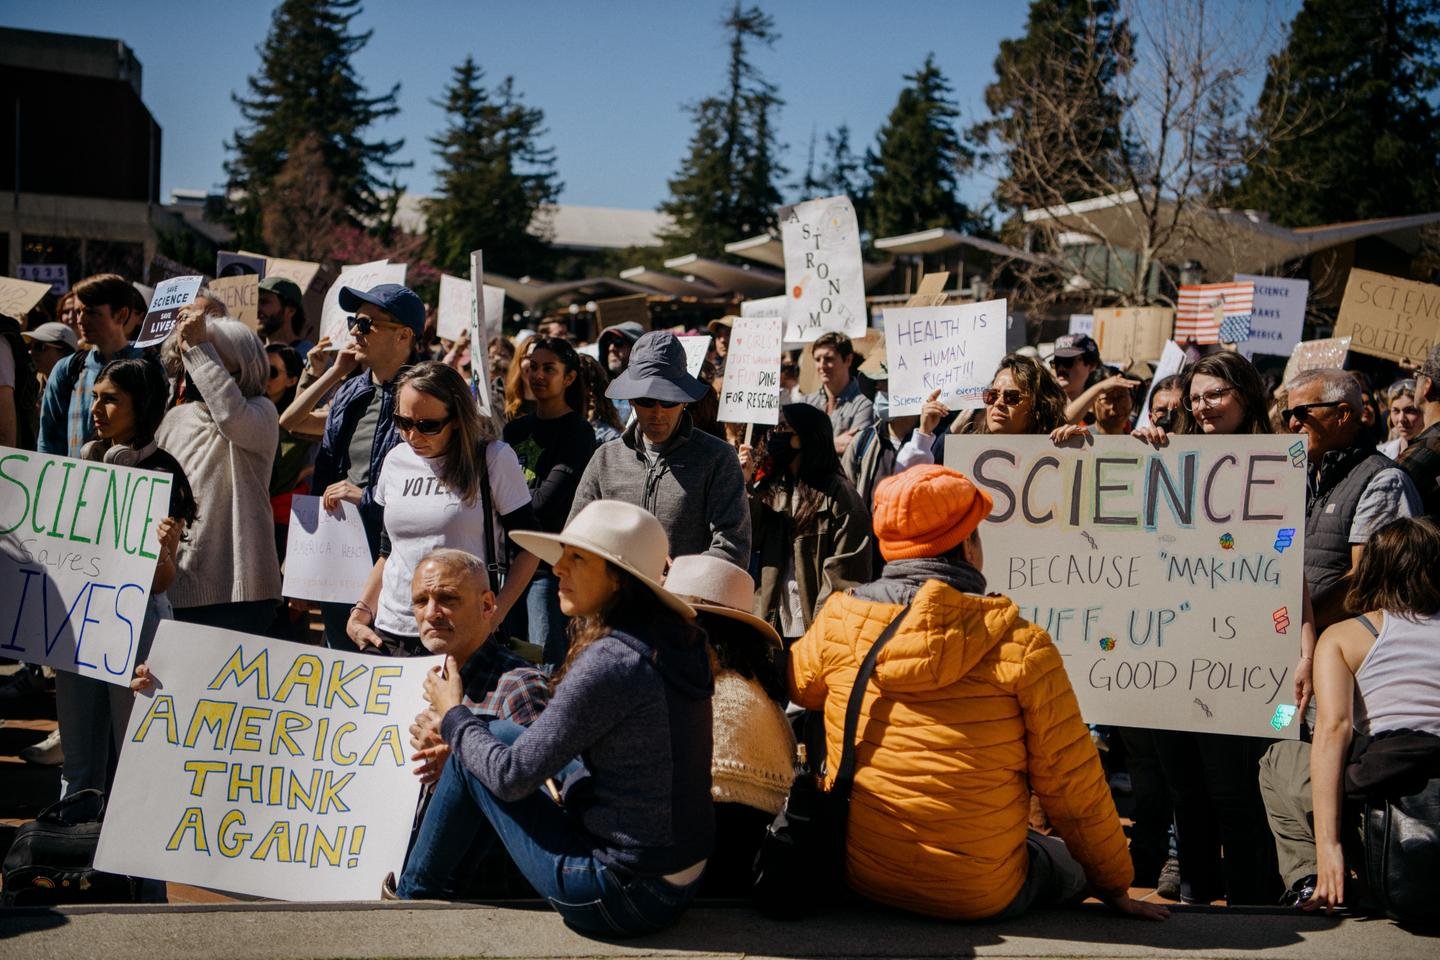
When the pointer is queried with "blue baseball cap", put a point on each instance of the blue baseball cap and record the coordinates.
(395, 299)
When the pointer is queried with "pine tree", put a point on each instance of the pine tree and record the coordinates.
(844, 174)
(1068, 147)
(302, 209)
(727, 184)
(1356, 84)
(307, 85)
(494, 178)
(915, 168)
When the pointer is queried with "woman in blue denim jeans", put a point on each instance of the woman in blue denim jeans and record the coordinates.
(622, 850)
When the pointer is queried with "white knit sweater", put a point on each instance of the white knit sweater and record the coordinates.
(754, 758)
(226, 445)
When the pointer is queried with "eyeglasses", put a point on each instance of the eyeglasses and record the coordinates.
(1301, 411)
(1062, 363)
(428, 427)
(276, 373)
(645, 403)
(361, 324)
(989, 396)
(1208, 399)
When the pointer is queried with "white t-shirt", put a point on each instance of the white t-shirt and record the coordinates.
(421, 514)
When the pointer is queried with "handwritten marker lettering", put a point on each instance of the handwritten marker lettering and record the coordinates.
(1282, 619)
(1284, 537)
(1204, 706)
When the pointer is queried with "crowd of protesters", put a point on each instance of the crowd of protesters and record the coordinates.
(631, 596)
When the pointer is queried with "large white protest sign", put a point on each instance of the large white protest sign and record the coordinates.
(1170, 579)
(265, 767)
(457, 302)
(952, 349)
(824, 273)
(164, 313)
(78, 545)
(327, 556)
(751, 390)
(1172, 361)
(1277, 314)
(361, 276)
(696, 349)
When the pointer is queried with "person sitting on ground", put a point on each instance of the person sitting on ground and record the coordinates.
(839, 394)
(625, 853)
(970, 710)
(690, 480)
(754, 753)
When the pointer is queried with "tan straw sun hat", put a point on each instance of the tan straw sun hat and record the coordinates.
(624, 534)
(717, 586)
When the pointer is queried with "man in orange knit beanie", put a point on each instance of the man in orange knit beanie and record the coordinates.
(969, 710)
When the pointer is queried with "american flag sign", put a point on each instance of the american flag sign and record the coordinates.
(1212, 312)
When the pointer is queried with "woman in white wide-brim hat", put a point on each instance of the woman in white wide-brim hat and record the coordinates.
(754, 755)
(624, 850)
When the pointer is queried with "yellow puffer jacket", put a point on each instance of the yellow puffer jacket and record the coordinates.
(969, 708)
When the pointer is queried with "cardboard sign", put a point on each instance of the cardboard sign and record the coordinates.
(750, 392)
(480, 331)
(951, 349)
(1326, 354)
(228, 264)
(1082, 323)
(241, 296)
(266, 767)
(1277, 315)
(1389, 317)
(164, 313)
(457, 303)
(1138, 333)
(327, 556)
(56, 275)
(1172, 361)
(931, 292)
(824, 272)
(632, 309)
(1170, 580)
(361, 276)
(302, 272)
(78, 545)
(697, 348)
(18, 297)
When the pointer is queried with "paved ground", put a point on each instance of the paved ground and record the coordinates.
(265, 931)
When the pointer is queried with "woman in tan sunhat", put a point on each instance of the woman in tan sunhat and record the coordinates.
(623, 851)
(754, 759)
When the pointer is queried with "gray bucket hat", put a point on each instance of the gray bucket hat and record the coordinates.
(657, 371)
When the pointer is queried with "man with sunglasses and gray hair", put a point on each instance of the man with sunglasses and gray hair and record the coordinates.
(689, 480)
(1352, 491)
(358, 428)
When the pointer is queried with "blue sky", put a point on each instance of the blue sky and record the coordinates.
(612, 77)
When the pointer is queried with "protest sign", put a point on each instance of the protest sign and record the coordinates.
(931, 292)
(750, 392)
(632, 309)
(164, 313)
(1136, 333)
(1325, 354)
(764, 307)
(952, 349)
(55, 275)
(327, 556)
(301, 272)
(241, 296)
(481, 325)
(361, 276)
(1082, 323)
(824, 273)
(457, 302)
(228, 264)
(1389, 317)
(78, 545)
(1213, 312)
(162, 267)
(1277, 315)
(696, 349)
(1172, 360)
(265, 767)
(1170, 580)
(18, 297)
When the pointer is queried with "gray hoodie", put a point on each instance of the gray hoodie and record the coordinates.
(693, 487)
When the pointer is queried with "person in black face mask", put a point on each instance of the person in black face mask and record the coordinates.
(810, 527)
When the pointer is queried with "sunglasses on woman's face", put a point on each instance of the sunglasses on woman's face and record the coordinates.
(990, 396)
(428, 427)
(645, 403)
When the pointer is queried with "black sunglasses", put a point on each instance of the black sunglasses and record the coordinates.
(645, 403)
(1301, 411)
(1062, 363)
(428, 427)
(990, 395)
(361, 324)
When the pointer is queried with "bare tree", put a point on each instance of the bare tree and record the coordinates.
(302, 208)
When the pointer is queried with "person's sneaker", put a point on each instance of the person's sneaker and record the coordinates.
(46, 753)
(1300, 891)
(387, 887)
(1168, 885)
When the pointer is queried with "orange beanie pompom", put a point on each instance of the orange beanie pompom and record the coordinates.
(926, 512)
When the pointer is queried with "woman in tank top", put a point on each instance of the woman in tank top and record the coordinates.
(1375, 673)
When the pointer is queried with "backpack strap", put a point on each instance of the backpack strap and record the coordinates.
(845, 775)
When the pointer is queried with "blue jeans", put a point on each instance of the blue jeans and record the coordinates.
(551, 849)
(547, 623)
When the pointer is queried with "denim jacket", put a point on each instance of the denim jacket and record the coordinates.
(332, 462)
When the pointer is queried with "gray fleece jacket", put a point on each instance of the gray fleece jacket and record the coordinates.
(693, 487)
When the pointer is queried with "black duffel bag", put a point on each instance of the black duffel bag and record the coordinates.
(51, 860)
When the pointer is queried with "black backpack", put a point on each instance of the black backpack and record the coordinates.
(51, 860)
